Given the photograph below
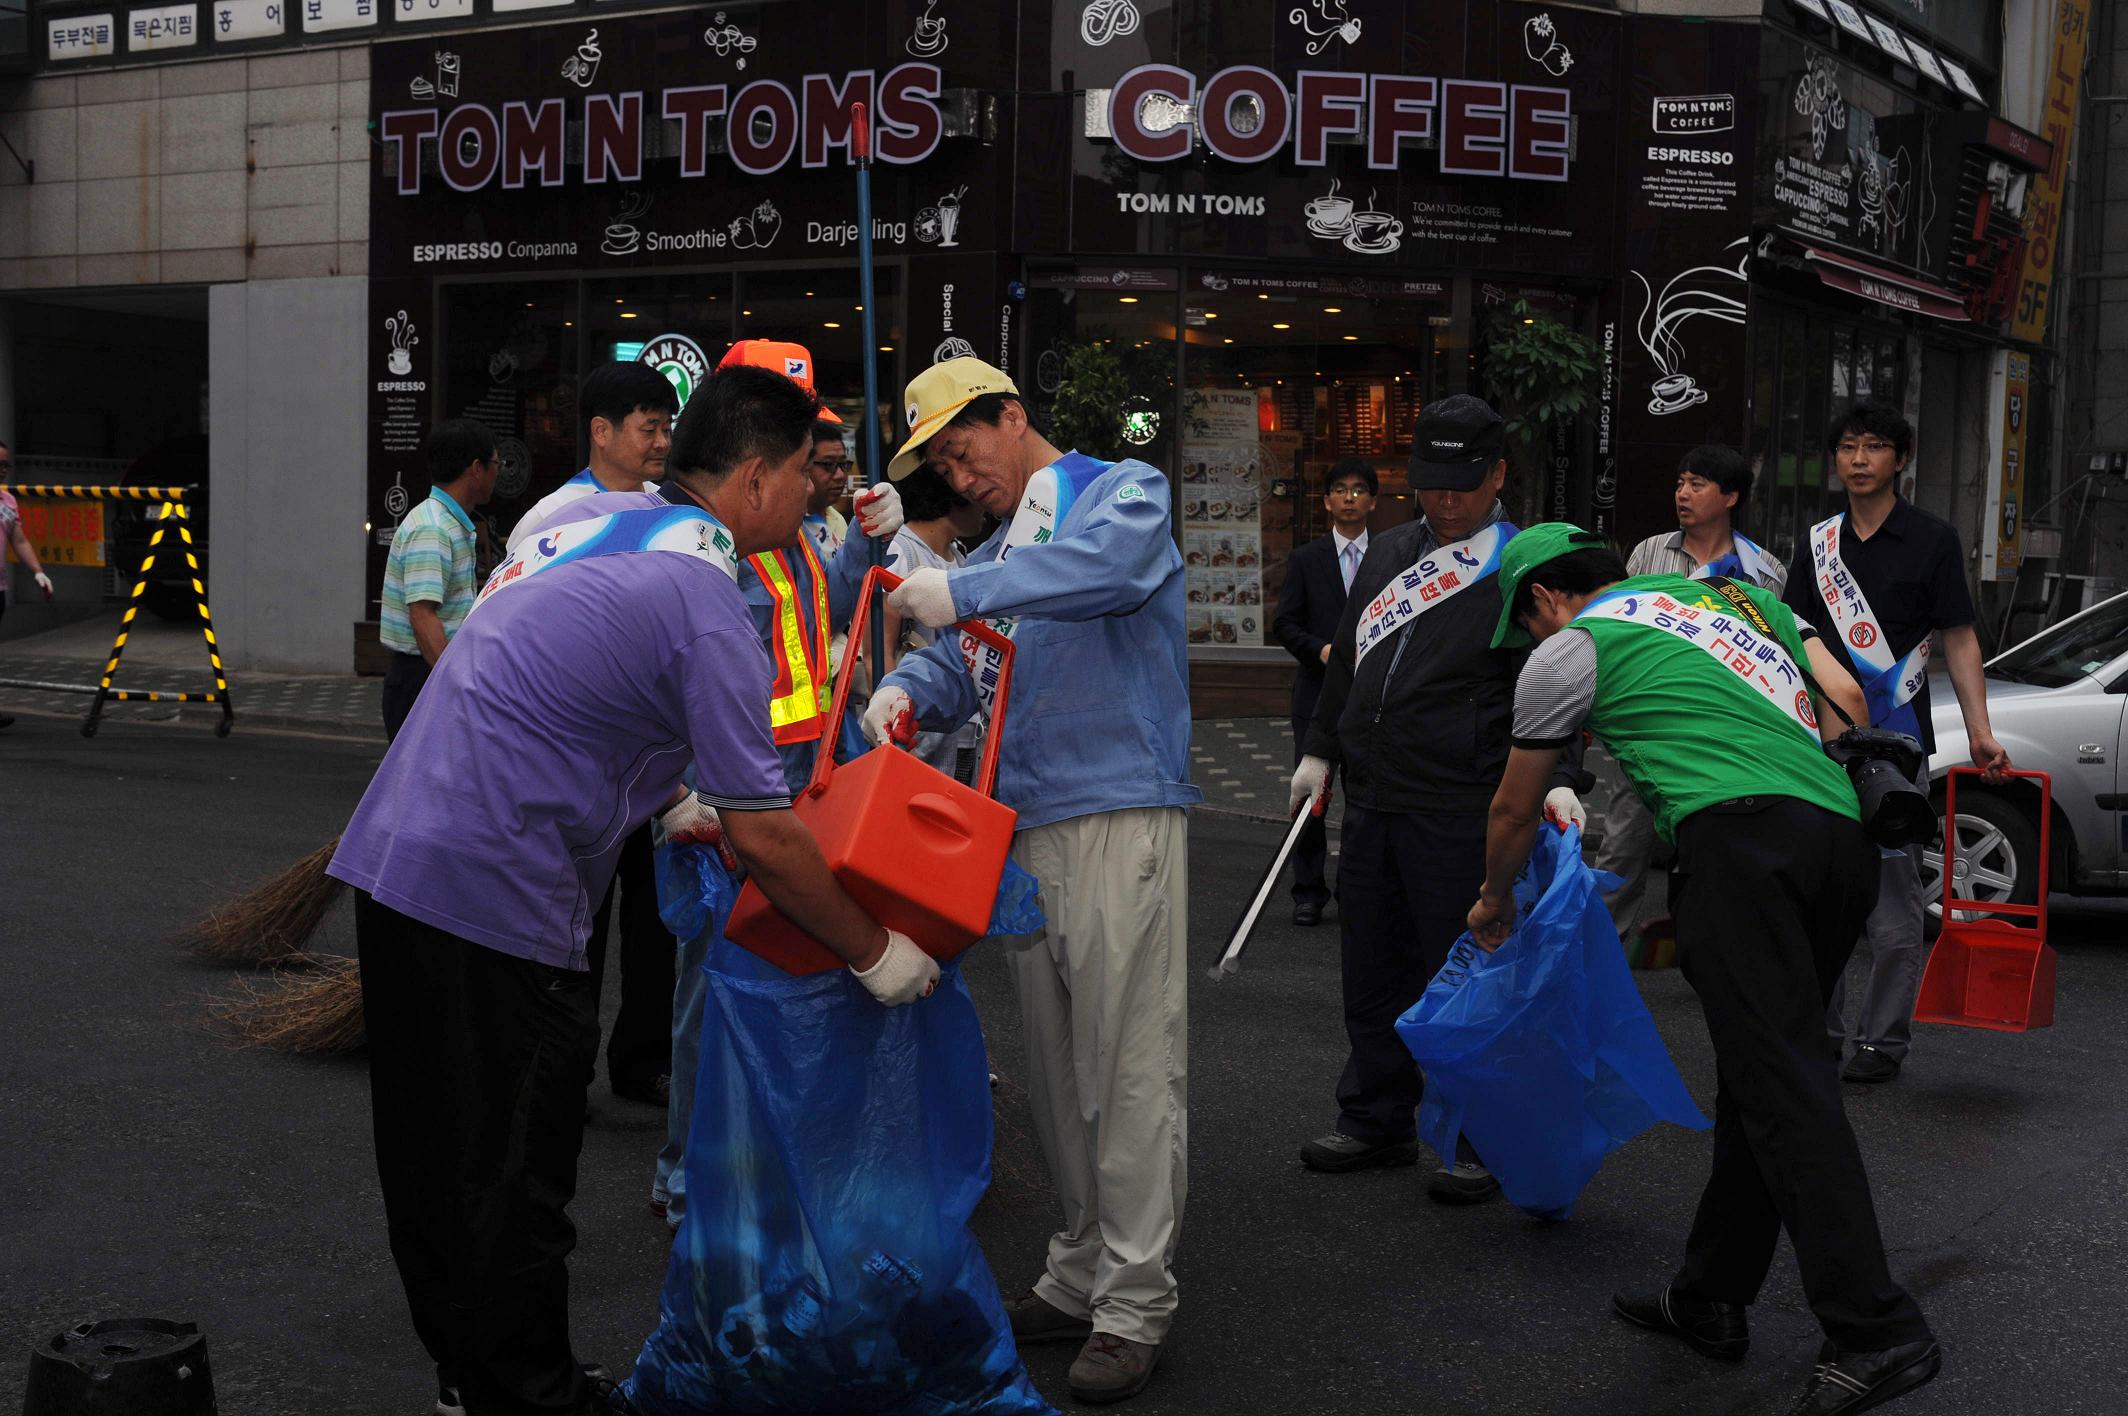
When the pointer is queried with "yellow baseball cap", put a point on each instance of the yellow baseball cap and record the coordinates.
(935, 397)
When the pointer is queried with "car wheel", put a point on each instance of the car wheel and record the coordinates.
(1997, 857)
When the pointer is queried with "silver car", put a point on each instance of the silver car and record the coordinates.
(2055, 702)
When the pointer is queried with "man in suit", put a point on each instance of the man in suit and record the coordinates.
(1318, 575)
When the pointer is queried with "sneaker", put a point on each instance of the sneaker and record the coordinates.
(1338, 1152)
(1869, 1066)
(1711, 1329)
(1036, 1319)
(1464, 1183)
(1846, 1382)
(1111, 1368)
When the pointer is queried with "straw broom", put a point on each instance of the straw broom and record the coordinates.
(270, 923)
(314, 1005)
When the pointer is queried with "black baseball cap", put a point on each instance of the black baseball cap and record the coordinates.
(1456, 443)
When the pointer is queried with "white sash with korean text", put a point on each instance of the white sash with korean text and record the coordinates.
(683, 530)
(1043, 506)
(1888, 683)
(1434, 577)
(1758, 660)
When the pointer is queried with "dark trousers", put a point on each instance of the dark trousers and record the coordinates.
(1771, 893)
(641, 1045)
(478, 1063)
(402, 685)
(1311, 851)
(1405, 885)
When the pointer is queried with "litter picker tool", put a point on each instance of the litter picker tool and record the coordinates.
(1230, 962)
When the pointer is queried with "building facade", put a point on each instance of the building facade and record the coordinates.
(1288, 226)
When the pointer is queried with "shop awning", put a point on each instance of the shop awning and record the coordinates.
(1886, 286)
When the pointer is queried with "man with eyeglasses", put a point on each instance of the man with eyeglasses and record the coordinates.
(829, 471)
(1319, 576)
(1876, 581)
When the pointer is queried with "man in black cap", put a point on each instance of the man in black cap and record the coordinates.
(1416, 707)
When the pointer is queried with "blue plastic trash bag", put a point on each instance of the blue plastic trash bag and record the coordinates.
(1019, 907)
(1541, 1054)
(695, 891)
(824, 1263)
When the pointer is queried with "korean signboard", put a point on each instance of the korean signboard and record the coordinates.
(2043, 208)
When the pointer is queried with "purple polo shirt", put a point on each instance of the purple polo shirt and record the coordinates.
(559, 719)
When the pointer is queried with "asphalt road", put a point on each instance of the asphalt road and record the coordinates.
(151, 1170)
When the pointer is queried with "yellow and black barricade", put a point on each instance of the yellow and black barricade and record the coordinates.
(172, 508)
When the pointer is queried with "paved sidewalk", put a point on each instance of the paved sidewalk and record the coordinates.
(166, 657)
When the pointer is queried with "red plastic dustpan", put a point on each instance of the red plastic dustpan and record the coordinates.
(1994, 972)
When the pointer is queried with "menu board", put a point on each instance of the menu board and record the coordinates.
(1222, 534)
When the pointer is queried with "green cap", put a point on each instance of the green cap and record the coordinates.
(1530, 548)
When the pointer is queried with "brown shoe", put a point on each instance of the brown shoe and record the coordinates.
(1112, 1368)
(1036, 1319)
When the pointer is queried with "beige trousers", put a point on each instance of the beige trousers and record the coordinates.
(1103, 993)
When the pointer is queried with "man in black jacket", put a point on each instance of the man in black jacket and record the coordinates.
(1319, 574)
(1417, 705)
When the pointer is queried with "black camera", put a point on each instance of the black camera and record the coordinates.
(1882, 767)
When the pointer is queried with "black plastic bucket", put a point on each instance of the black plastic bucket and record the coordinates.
(125, 1367)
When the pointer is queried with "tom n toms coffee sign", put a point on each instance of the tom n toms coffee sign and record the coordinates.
(1477, 127)
(760, 127)
(680, 360)
(681, 137)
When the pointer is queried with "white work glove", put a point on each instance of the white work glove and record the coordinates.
(693, 822)
(903, 974)
(44, 583)
(879, 513)
(1309, 779)
(926, 598)
(886, 716)
(1563, 809)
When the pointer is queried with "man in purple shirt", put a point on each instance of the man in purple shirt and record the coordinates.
(609, 654)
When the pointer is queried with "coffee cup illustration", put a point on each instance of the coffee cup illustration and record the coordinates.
(930, 36)
(1675, 392)
(1374, 231)
(1331, 214)
(621, 239)
(581, 67)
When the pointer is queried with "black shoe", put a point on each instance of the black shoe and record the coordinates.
(1307, 914)
(1869, 1066)
(651, 1091)
(1464, 1183)
(1714, 1330)
(7, 720)
(1856, 1381)
(604, 1392)
(1338, 1152)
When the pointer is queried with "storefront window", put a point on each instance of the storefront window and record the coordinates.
(1285, 377)
(1814, 366)
(821, 309)
(510, 362)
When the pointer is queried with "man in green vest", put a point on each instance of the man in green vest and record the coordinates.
(1713, 715)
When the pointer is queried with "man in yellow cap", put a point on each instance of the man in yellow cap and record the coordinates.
(1084, 575)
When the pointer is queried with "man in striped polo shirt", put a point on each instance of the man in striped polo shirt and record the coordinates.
(429, 580)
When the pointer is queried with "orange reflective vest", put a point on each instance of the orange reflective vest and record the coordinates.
(798, 705)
